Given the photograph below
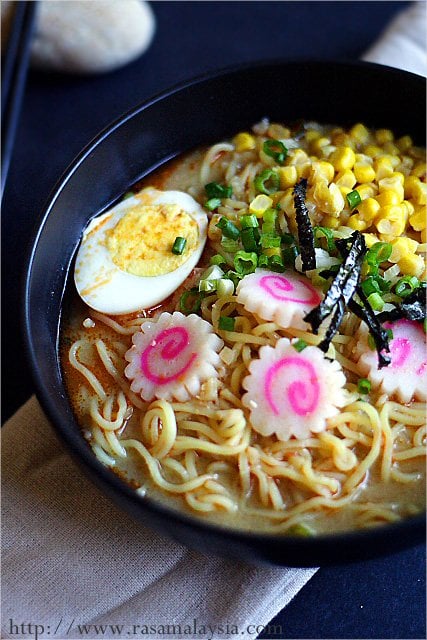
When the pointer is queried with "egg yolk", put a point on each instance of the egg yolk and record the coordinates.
(141, 242)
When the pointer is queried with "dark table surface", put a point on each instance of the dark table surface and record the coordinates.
(383, 598)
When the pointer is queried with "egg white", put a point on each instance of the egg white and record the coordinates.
(106, 288)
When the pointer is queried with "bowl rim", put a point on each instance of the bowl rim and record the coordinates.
(79, 448)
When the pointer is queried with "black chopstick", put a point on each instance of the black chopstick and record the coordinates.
(14, 75)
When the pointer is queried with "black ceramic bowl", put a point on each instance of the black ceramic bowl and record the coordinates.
(200, 112)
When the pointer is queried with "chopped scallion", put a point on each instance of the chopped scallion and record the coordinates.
(299, 345)
(263, 260)
(212, 204)
(228, 228)
(376, 301)
(216, 190)
(179, 246)
(275, 263)
(267, 182)
(249, 221)
(370, 285)
(378, 253)
(363, 386)
(269, 241)
(245, 262)
(229, 245)
(218, 259)
(275, 149)
(288, 238)
(250, 237)
(224, 287)
(207, 286)
(328, 235)
(190, 301)
(353, 199)
(406, 285)
(289, 255)
(226, 324)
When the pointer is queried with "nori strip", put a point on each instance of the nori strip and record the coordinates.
(380, 336)
(333, 326)
(344, 284)
(413, 308)
(305, 230)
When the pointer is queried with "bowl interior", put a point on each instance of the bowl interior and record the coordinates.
(198, 113)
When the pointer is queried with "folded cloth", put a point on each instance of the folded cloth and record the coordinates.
(403, 43)
(71, 558)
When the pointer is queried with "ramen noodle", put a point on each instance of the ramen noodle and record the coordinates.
(220, 398)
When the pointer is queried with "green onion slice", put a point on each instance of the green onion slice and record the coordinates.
(376, 301)
(270, 241)
(245, 262)
(378, 253)
(212, 204)
(267, 182)
(226, 324)
(406, 285)
(249, 221)
(363, 386)
(179, 246)
(190, 301)
(353, 199)
(299, 345)
(275, 263)
(228, 228)
(250, 238)
(216, 190)
(218, 259)
(275, 149)
(325, 231)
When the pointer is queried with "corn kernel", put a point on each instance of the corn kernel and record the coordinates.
(346, 179)
(311, 135)
(297, 156)
(370, 239)
(345, 191)
(404, 143)
(401, 247)
(383, 167)
(391, 220)
(244, 142)
(342, 139)
(391, 148)
(322, 169)
(328, 198)
(388, 197)
(416, 189)
(410, 209)
(359, 133)
(260, 204)
(278, 131)
(364, 172)
(372, 150)
(354, 222)
(287, 176)
(368, 209)
(405, 165)
(418, 220)
(368, 190)
(331, 222)
(319, 143)
(384, 135)
(343, 158)
(419, 170)
(303, 169)
(394, 183)
(411, 265)
(287, 202)
(327, 151)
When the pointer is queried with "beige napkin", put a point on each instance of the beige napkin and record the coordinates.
(403, 43)
(71, 558)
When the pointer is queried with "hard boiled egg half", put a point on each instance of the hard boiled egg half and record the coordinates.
(125, 261)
